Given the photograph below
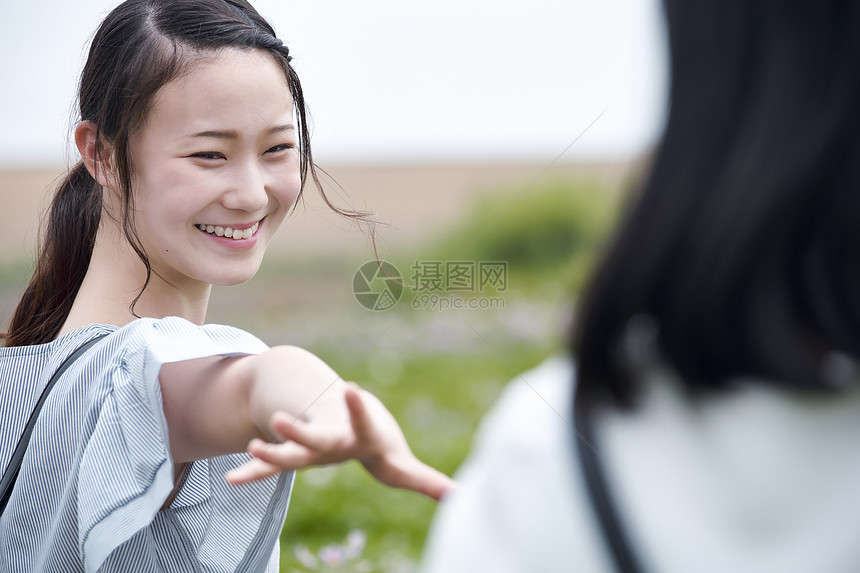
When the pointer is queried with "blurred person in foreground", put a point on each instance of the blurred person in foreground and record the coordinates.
(716, 412)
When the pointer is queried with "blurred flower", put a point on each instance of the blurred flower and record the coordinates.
(336, 557)
(355, 543)
(332, 555)
(305, 557)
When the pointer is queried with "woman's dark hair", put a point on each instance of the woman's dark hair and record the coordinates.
(743, 246)
(141, 46)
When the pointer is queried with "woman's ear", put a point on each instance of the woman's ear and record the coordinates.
(97, 154)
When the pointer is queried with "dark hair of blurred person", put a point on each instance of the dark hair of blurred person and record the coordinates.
(744, 244)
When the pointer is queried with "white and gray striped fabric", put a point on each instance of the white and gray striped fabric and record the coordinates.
(98, 467)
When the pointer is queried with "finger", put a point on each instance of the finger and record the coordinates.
(427, 480)
(408, 472)
(308, 434)
(437, 485)
(253, 470)
(286, 456)
(361, 423)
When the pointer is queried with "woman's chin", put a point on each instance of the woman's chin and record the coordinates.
(235, 278)
(232, 281)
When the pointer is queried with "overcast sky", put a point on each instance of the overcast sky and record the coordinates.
(387, 80)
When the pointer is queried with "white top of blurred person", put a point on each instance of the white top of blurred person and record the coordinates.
(758, 480)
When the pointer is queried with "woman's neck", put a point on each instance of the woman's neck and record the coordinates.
(113, 280)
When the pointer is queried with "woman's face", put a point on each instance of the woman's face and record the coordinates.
(217, 156)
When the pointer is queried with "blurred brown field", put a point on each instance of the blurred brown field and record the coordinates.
(414, 205)
(411, 201)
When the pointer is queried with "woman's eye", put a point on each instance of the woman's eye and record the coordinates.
(279, 148)
(208, 155)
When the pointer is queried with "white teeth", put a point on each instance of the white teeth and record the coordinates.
(235, 234)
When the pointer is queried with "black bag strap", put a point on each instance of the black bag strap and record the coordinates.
(598, 490)
(14, 466)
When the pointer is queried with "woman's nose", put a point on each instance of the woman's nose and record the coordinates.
(248, 190)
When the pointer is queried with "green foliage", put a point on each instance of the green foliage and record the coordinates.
(543, 229)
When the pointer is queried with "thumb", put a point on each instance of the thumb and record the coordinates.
(358, 416)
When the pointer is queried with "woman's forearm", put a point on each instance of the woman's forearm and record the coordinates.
(215, 406)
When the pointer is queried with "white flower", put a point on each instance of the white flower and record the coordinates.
(355, 543)
(305, 557)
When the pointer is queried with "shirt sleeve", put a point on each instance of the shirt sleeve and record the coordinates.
(126, 472)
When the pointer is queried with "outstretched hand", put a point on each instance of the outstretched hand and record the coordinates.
(358, 427)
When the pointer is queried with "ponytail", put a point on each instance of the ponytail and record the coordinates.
(62, 261)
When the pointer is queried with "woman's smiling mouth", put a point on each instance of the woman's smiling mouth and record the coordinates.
(230, 232)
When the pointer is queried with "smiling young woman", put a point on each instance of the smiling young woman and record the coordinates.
(218, 150)
(170, 444)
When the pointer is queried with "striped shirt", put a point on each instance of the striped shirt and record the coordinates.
(98, 467)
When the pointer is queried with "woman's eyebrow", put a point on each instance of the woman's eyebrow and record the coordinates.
(280, 128)
(233, 134)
